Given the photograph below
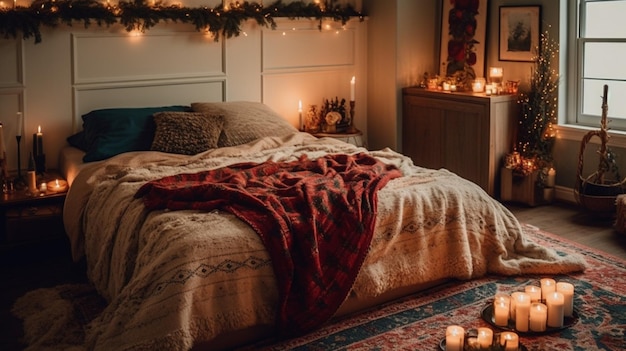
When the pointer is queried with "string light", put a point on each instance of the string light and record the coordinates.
(222, 20)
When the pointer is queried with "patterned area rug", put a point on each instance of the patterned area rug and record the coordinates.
(417, 322)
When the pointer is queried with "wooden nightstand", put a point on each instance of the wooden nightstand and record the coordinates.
(353, 137)
(27, 218)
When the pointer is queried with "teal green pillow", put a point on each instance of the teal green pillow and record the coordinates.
(112, 131)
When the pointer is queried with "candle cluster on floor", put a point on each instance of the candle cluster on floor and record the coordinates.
(536, 308)
(457, 339)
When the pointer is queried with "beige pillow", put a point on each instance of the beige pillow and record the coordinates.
(186, 133)
(245, 121)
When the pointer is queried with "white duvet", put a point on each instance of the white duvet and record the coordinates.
(175, 279)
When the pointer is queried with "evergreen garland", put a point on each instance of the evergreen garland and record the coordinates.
(535, 133)
(138, 15)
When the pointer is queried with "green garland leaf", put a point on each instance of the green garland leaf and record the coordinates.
(138, 15)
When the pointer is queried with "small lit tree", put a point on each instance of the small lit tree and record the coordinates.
(535, 132)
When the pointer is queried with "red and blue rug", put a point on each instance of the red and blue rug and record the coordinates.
(418, 322)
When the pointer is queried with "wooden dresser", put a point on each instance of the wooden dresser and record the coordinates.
(466, 133)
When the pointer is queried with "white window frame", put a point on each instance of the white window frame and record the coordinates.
(572, 124)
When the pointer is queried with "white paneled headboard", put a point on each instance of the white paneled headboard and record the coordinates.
(75, 70)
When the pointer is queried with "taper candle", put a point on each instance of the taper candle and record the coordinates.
(353, 88)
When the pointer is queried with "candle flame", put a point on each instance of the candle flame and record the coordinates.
(39, 129)
(299, 105)
(56, 183)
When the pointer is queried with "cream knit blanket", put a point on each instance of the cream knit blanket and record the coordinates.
(174, 279)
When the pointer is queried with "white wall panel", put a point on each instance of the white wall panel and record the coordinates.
(123, 57)
(10, 63)
(299, 48)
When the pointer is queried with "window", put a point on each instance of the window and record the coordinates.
(597, 57)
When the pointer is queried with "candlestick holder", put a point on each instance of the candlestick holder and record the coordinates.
(351, 128)
(18, 138)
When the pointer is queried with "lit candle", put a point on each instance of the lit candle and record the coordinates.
(567, 290)
(538, 317)
(478, 85)
(551, 178)
(485, 337)
(57, 186)
(43, 187)
(455, 336)
(300, 114)
(554, 302)
(510, 341)
(547, 286)
(522, 312)
(352, 88)
(38, 142)
(446, 86)
(534, 292)
(501, 313)
(452, 87)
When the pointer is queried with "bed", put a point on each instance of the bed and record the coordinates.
(183, 268)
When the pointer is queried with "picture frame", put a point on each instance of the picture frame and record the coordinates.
(519, 33)
(480, 37)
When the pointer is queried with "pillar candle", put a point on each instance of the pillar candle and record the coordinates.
(534, 292)
(522, 312)
(31, 180)
(501, 313)
(554, 302)
(485, 338)
(538, 317)
(548, 286)
(455, 336)
(514, 296)
(567, 290)
(510, 341)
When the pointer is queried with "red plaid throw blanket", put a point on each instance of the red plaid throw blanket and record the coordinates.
(316, 218)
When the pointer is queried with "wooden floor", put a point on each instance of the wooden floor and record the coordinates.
(49, 265)
(569, 221)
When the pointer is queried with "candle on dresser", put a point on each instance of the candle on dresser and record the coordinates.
(554, 302)
(567, 290)
(485, 337)
(522, 312)
(534, 292)
(538, 317)
(509, 340)
(455, 336)
(547, 286)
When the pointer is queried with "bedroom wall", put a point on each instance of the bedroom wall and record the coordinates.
(75, 70)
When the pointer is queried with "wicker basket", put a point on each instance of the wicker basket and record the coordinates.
(597, 197)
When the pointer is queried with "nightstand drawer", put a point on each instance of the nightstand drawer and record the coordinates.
(30, 223)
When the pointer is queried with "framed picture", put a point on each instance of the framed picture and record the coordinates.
(519, 32)
(463, 25)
